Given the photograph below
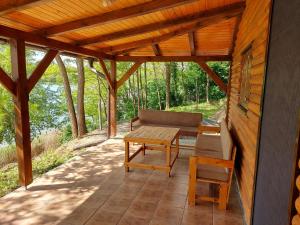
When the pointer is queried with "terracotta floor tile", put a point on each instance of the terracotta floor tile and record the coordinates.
(171, 199)
(93, 188)
(142, 209)
(128, 219)
(104, 217)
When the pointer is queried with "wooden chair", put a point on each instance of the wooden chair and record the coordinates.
(213, 170)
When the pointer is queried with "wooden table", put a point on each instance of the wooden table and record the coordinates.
(152, 138)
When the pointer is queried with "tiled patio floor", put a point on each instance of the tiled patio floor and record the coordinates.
(93, 189)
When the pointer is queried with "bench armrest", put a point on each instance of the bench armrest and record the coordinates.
(211, 129)
(132, 121)
(211, 161)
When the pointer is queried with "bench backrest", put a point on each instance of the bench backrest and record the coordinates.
(170, 118)
(226, 141)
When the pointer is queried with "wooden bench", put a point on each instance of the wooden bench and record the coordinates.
(188, 123)
(212, 163)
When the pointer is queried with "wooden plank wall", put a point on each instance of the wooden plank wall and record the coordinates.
(253, 28)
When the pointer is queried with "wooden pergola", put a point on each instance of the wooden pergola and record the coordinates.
(120, 30)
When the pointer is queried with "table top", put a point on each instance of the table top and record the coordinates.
(152, 135)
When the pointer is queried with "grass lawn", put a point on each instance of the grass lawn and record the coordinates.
(207, 109)
(41, 164)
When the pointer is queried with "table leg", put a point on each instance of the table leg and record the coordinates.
(177, 145)
(126, 156)
(168, 157)
(144, 149)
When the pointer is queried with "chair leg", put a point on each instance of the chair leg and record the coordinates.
(223, 196)
(192, 181)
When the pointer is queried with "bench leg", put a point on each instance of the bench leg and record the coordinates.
(192, 181)
(223, 196)
(144, 149)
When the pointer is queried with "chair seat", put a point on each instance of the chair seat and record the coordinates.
(212, 173)
(206, 142)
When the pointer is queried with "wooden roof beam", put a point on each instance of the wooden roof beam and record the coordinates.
(126, 76)
(50, 43)
(156, 49)
(213, 75)
(7, 82)
(172, 58)
(7, 6)
(205, 22)
(40, 69)
(197, 17)
(113, 16)
(192, 43)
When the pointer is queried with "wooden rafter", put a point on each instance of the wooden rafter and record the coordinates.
(113, 16)
(126, 76)
(207, 21)
(173, 58)
(50, 43)
(156, 49)
(40, 69)
(213, 75)
(106, 73)
(192, 43)
(197, 17)
(7, 82)
(7, 6)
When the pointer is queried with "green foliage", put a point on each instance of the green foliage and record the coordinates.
(44, 162)
(207, 109)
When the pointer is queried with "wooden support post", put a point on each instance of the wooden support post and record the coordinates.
(112, 120)
(22, 124)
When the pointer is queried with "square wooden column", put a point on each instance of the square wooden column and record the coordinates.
(112, 109)
(22, 124)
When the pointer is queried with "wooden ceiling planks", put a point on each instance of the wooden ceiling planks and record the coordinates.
(54, 12)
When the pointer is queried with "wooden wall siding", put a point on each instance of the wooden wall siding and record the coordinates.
(253, 29)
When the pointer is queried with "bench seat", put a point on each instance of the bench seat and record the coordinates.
(187, 122)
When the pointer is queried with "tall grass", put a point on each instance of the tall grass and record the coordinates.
(45, 142)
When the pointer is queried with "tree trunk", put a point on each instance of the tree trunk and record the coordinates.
(168, 80)
(69, 99)
(197, 93)
(146, 91)
(207, 88)
(138, 89)
(132, 95)
(82, 130)
(99, 104)
(157, 88)
(141, 89)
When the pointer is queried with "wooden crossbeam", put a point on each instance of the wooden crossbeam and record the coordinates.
(113, 16)
(40, 69)
(159, 25)
(7, 6)
(50, 43)
(156, 49)
(106, 73)
(7, 82)
(173, 58)
(128, 74)
(192, 43)
(213, 75)
(205, 22)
